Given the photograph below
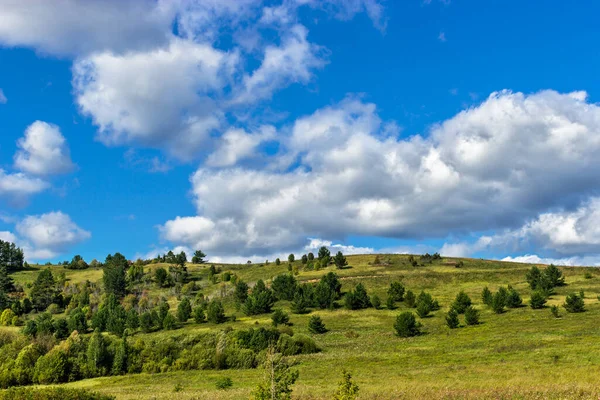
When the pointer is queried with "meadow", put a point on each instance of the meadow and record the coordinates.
(519, 354)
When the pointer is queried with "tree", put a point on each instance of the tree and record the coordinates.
(471, 316)
(452, 319)
(291, 258)
(324, 256)
(146, 322)
(311, 256)
(406, 325)
(303, 299)
(215, 312)
(513, 299)
(533, 277)
(316, 325)
(278, 379)
(339, 260)
(11, 257)
(161, 277)
(240, 292)
(277, 261)
(77, 321)
(347, 389)
(498, 302)
(461, 302)
(555, 277)
(389, 303)
(184, 310)
(119, 366)
(97, 355)
(198, 257)
(169, 322)
(486, 296)
(44, 291)
(537, 300)
(199, 316)
(181, 258)
(396, 291)
(133, 320)
(279, 317)
(260, 301)
(284, 286)
(357, 299)
(114, 275)
(6, 282)
(574, 303)
(304, 259)
(410, 299)
(375, 301)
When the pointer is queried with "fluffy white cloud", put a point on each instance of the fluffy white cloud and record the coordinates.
(569, 261)
(495, 166)
(315, 244)
(50, 233)
(237, 144)
(3, 99)
(158, 98)
(43, 151)
(17, 187)
(7, 236)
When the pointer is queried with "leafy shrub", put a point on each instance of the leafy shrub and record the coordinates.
(537, 300)
(406, 325)
(410, 299)
(357, 299)
(574, 303)
(224, 383)
(316, 325)
(471, 316)
(390, 304)
(279, 317)
(554, 311)
(347, 389)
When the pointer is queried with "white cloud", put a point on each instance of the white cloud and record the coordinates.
(315, 244)
(50, 233)
(237, 144)
(71, 27)
(18, 187)
(158, 98)
(7, 236)
(43, 151)
(570, 261)
(353, 179)
(3, 99)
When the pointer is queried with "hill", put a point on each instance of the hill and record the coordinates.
(520, 353)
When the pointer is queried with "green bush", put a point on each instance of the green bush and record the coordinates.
(471, 316)
(554, 311)
(215, 312)
(486, 296)
(51, 394)
(574, 303)
(498, 302)
(461, 302)
(279, 317)
(224, 383)
(537, 300)
(513, 299)
(375, 301)
(396, 291)
(316, 325)
(452, 319)
(406, 325)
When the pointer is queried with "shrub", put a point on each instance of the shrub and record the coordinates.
(375, 301)
(224, 383)
(199, 316)
(215, 312)
(537, 300)
(396, 291)
(390, 304)
(574, 303)
(279, 317)
(169, 322)
(471, 316)
(406, 325)
(357, 299)
(461, 302)
(7, 317)
(588, 275)
(55, 393)
(498, 302)
(347, 389)
(54, 309)
(52, 367)
(284, 287)
(554, 311)
(410, 299)
(513, 299)
(486, 296)
(184, 310)
(452, 319)
(316, 325)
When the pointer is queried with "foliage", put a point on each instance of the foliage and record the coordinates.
(260, 301)
(396, 291)
(513, 299)
(347, 389)
(498, 302)
(357, 299)
(406, 325)
(316, 325)
(410, 299)
(279, 317)
(452, 319)
(291, 258)
(461, 302)
(376, 301)
(224, 383)
(114, 275)
(215, 313)
(44, 291)
(198, 257)
(339, 260)
(54, 393)
(471, 316)
(486, 296)
(574, 303)
(284, 286)
(554, 311)
(537, 300)
(324, 256)
(278, 378)
(184, 310)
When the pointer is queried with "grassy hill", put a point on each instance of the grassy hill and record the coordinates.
(521, 353)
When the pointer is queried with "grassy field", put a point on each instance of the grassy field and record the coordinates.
(520, 354)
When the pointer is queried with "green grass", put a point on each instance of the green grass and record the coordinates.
(520, 354)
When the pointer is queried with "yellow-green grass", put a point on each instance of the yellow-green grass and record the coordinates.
(520, 354)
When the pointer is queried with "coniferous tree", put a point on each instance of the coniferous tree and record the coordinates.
(316, 325)
(452, 319)
(113, 277)
(513, 299)
(215, 312)
(574, 303)
(347, 389)
(198, 257)
(324, 256)
(537, 300)
(498, 302)
(486, 296)
(471, 316)
(406, 325)
(184, 310)
(461, 302)
(97, 355)
(396, 291)
(199, 316)
(44, 291)
(279, 317)
(339, 260)
(410, 299)
(119, 365)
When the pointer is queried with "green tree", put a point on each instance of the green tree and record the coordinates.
(347, 389)
(311, 256)
(376, 301)
(44, 291)
(169, 322)
(161, 277)
(452, 319)
(513, 299)
(324, 256)
(390, 304)
(215, 312)
(198, 257)
(486, 296)
(537, 300)
(357, 299)
(184, 310)
(410, 299)
(406, 325)
(291, 258)
(574, 303)
(146, 322)
(284, 286)
(316, 325)
(396, 291)
(279, 317)
(277, 261)
(61, 328)
(339, 260)
(554, 275)
(133, 319)
(461, 302)
(278, 379)
(471, 316)
(304, 259)
(115, 267)
(498, 302)
(119, 365)
(199, 316)
(77, 321)
(97, 355)
(240, 292)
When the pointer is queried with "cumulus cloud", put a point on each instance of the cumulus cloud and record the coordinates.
(8, 236)
(315, 244)
(48, 235)
(354, 179)
(237, 144)
(43, 151)
(17, 187)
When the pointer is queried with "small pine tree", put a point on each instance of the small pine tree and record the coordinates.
(390, 304)
(278, 378)
(513, 299)
(375, 301)
(347, 389)
(291, 258)
(537, 300)
(279, 317)
(396, 291)
(316, 325)
(339, 260)
(97, 355)
(406, 325)
(461, 302)
(215, 312)
(471, 316)
(498, 301)
(277, 261)
(486, 296)
(199, 316)
(169, 323)
(554, 311)
(574, 303)
(184, 310)
(452, 319)
(423, 309)
(410, 299)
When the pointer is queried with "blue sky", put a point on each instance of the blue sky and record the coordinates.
(250, 129)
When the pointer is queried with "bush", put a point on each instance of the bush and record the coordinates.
(461, 302)
(56, 393)
(224, 383)
(215, 312)
(486, 296)
(357, 299)
(184, 310)
(471, 316)
(406, 325)
(7, 317)
(396, 291)
(574, 303)
(513, 299)
(410, 299)
(279, 317)
(316, 325)
(537, 300)
(169, 322)
(554, 311)
(199, 316)
(347, 389)
(452, 319)
(375, 301)
(498, 302)
(390, 304)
